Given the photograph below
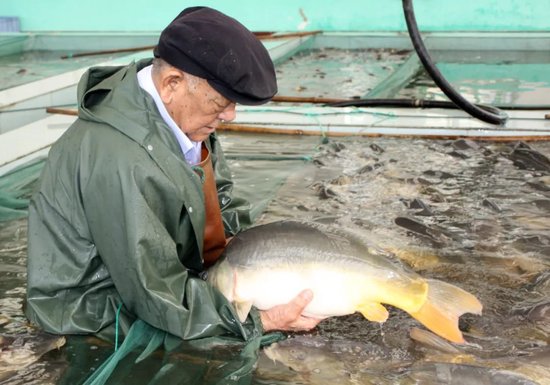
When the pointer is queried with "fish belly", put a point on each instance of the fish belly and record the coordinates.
(334, 293)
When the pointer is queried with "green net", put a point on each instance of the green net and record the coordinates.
(170, 360)
(16, 187)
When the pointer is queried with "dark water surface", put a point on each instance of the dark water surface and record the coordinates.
(29, 66)
(337, 73)
(494, 77)
(474, 214)
(497, 77)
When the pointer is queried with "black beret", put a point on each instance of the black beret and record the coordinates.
(206, 43)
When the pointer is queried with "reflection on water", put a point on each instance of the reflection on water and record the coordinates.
(336, 73)
(495, 77)
(472, 214)
(29, 66)
(486, 84)
(13, 263)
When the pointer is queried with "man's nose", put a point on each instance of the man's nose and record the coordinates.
(229, 113)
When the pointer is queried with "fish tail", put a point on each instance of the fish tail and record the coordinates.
(444, 305)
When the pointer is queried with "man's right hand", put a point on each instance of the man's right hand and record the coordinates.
(289, 317)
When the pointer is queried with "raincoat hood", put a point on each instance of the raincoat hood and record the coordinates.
(109, 95)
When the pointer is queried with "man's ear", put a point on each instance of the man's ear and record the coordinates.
(170, 81)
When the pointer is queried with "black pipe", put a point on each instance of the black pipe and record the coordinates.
(487, 114)
(423, 103)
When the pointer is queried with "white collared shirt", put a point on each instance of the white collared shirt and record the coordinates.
(191, 150)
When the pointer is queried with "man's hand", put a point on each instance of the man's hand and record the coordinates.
(289, 316)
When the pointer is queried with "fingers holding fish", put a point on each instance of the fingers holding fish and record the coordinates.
(289, 316)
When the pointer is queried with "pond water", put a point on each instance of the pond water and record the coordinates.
(474, 214)
(29, 66)
(337, 73)
(503, 78)
(517, 78)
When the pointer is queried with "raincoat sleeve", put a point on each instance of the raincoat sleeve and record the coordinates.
(143, 234)
(235, 210)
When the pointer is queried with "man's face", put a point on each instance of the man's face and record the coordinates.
(197, 108)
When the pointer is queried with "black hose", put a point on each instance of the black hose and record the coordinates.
(487, 114)
(423, 103)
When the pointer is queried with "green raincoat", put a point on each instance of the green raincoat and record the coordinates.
(119, 219)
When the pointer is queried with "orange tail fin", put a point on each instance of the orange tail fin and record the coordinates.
(444, 305)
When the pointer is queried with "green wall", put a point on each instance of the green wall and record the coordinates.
(284, 15)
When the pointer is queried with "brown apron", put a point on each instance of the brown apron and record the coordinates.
(214, 233)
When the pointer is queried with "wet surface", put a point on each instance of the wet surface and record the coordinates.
(29, 66)
(497, 77)
(468, 213)
(19, 352)
(474, 214)
(337, 73)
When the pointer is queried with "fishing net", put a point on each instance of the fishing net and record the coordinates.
(170, 360)
(16, 187)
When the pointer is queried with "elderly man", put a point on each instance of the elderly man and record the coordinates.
(135, 198)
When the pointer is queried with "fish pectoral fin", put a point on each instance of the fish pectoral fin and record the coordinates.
(373, 311)
(242, 308)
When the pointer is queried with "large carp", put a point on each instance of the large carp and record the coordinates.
(270, 264)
